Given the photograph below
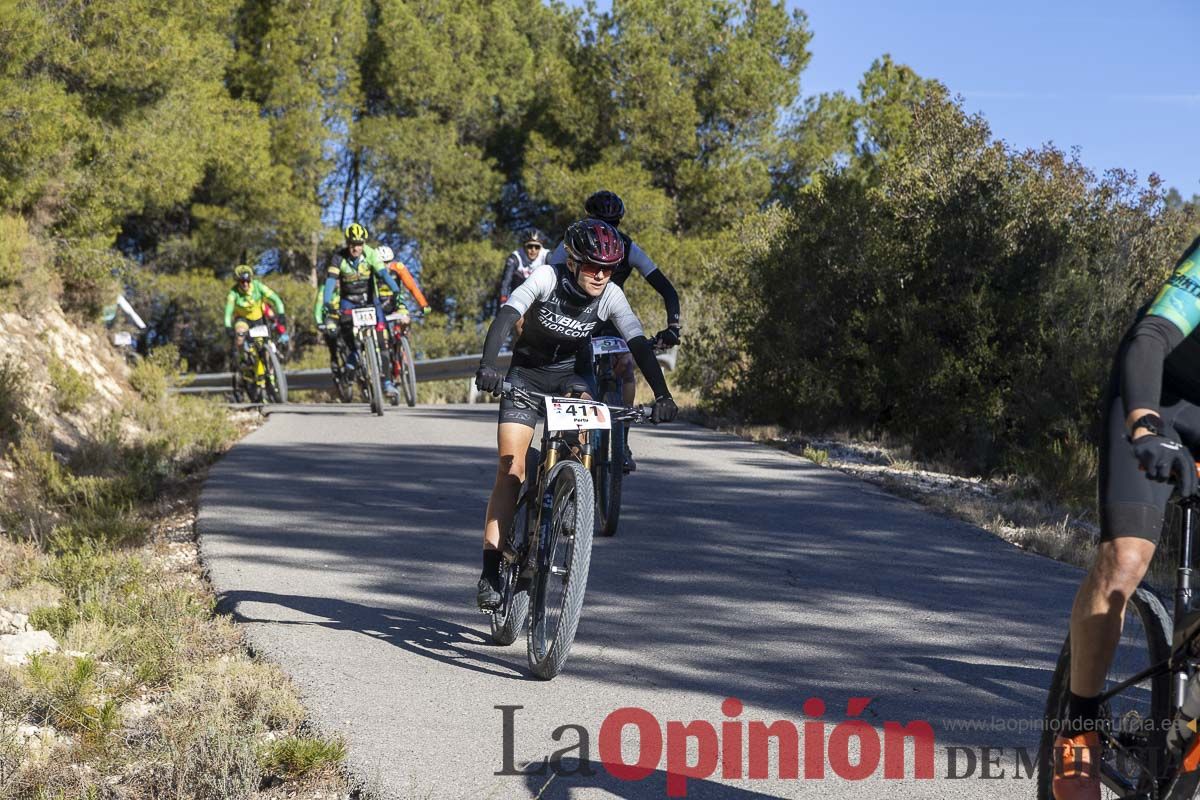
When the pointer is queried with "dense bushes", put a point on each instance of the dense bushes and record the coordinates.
(964, 297)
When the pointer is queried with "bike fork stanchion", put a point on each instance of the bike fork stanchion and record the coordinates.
(1183, 596)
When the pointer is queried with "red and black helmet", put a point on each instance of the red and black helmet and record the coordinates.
(594, 241)
(605, 205)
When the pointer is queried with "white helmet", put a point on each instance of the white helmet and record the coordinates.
(385, 254)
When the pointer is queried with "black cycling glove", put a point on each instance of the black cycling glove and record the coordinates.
(665, 410)
(1164, 458)
(668, 337)
(487, 379)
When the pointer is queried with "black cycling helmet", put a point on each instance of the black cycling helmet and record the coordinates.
(532, 236)
(594, 241)
(605, 205)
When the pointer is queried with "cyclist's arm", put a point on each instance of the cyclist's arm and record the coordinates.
(614, 306)
(331, 282)
(410, 283)
(319, 306)
(275, 300)
(510, 270)
(559, 256)
(230, 299)
(1171, 318)
(655, 277)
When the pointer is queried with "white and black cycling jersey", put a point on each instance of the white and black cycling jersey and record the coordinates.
(517, 269)
(635, 258)
(560, 317)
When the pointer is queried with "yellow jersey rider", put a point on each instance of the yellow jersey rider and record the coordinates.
(245, 304)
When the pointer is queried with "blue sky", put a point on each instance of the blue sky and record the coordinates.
(1119, 80)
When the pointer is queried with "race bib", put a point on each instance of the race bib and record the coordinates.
(396, 316)
(258, 332)
(364, 317)
(604, 345)
(569, 414)
(123, 339)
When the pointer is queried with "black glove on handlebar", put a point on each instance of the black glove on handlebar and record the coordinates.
(668, 337)
(487, 379)
(1164, 458)
(665, 410)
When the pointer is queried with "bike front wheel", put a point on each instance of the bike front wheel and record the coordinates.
(374, 383)
(408, 372)
(277, 379)
(1136, 717)
(563, 562)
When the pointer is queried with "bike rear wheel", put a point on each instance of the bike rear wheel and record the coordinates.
(408, 372)
(510, 619)
(374, 384)
(1137, 716)
(610, 459)
(563, 563)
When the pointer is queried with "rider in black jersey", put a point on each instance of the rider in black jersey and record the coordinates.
(607, 206)
(1151, 426)
(562, 305)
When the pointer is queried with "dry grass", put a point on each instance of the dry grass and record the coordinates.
(152, 694)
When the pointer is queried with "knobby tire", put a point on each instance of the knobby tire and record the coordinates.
(374, 384)
(408, 372)
(558, 598)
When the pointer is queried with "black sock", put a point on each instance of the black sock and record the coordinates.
(1083, 714)
(491, 563)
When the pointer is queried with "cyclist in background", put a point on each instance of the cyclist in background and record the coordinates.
(246, 304)
(395, 302)
(607, 206)
(326, 318)
(1151, 420)
(354, 274)
(521, 262)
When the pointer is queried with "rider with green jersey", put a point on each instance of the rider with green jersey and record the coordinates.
(245, 304)
(353, 275)
(1151, 422)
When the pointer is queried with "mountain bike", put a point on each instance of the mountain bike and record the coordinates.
(548, 548)
(1150, 749)
(259, 372)
(404, 370)
(369, 368)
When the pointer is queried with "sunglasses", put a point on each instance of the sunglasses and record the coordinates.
(533, 246)
(592, 269)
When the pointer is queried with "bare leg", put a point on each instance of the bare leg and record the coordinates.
(1099, 609)
(513, 441)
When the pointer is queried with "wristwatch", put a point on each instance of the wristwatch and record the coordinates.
(1150, 422)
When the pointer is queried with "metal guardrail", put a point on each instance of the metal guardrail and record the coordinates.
(432, 369)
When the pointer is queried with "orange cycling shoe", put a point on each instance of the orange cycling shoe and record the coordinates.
(1077, 767)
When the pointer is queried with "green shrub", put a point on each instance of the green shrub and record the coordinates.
(818, 457)
(297, 756)
(14, 411)
(71, 389)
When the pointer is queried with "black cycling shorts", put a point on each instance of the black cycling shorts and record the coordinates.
(571, 377)
(1130, 503)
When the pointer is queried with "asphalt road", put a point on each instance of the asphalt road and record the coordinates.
(348, 545)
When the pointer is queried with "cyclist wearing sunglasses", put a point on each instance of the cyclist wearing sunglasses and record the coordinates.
(521, 262)
(562, 305)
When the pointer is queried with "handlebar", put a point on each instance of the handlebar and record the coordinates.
(633, 414)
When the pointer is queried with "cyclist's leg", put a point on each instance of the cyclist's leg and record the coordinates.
(384, 342)
(346, 330)
(1131, 519)
(513, 437)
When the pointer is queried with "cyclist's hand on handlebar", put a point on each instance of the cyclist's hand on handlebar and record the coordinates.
(1164, 458)
(667, 337)
(487, 379)
(665, 410)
